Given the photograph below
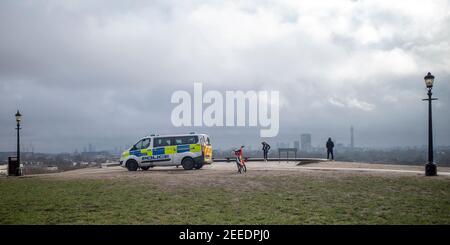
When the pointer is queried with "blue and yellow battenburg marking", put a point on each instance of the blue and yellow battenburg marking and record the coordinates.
(167, 150)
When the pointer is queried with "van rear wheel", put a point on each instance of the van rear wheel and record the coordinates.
(187, 163)
(132, 165)
(145, 168)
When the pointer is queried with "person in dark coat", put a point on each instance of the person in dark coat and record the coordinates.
(265, 148)
(330, 146)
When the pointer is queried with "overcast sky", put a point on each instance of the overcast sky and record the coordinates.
(103, 72)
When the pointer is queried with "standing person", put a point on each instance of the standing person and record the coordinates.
(330, 146)
(265, 148)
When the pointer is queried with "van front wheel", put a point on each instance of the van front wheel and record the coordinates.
(145, 168)
(132, 165)
(187, 163)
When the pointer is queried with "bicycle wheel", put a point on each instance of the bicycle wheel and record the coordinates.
(244, 168)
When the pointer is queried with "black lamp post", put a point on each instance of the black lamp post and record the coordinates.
(18, 118)
(430, 167)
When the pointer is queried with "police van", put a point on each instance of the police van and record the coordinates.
(188, 150)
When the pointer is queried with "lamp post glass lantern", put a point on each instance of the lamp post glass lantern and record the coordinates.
(429, 79)
(430, 167)
(18, 116)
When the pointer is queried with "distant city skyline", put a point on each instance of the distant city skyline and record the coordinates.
(314, 143)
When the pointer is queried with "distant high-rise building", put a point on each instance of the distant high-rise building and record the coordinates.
(305, 140)
(352, 142)
(91, 148)
(297, 145)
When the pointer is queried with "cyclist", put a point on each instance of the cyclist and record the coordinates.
(240, 160)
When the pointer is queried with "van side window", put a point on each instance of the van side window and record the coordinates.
(145, 143)
(177, 140)
(184, 140)
(190, 139)
(164, 141)
(142, 144)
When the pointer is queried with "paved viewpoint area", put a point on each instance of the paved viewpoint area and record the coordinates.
(259, 168)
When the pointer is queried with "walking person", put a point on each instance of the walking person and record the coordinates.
(265, 148)
(330, 146)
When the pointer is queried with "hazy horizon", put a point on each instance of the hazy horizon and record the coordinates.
(103, 72)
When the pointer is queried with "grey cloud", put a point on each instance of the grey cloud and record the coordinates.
(103, 72)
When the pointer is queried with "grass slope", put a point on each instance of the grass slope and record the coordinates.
(288, 200)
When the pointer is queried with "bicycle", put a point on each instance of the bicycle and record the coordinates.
(240, 162)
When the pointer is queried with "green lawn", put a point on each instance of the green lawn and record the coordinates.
(288, 200)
